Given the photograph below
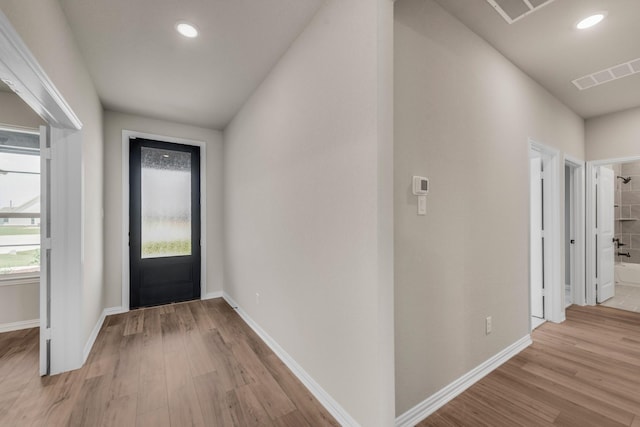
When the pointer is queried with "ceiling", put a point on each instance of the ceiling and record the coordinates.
(140, 65)
(546, 46)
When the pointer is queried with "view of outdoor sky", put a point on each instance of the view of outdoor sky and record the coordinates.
(19, 194)
(16, 188)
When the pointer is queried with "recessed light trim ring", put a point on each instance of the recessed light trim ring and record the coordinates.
(186, 29)
(591, 20)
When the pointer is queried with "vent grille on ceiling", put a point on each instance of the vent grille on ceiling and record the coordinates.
(513, 10)
(608, 75)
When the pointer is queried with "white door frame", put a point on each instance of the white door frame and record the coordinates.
(126, 278)
(554, 282)
(591, 223)
(578, 219)
(21, 71)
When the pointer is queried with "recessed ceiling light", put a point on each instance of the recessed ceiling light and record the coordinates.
(590, 21)
(186, 29)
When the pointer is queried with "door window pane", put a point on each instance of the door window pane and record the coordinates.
(166, 203)
(19, 204)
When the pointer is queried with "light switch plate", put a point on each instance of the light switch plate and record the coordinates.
(422, 205)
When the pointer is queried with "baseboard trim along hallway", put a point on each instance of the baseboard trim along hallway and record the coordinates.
(16, 326)
(430, 405)
(329, 403)
(212, 295)
(96, 330)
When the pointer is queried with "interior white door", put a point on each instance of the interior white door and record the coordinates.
(536, 278)
(606, 230)
(45, 250)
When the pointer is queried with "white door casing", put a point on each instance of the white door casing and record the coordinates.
(45, 250)
(605, 233)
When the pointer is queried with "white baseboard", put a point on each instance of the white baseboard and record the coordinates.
(16, 326)
(96, 329)
(428, 406)
(333, 407)
(211, 295)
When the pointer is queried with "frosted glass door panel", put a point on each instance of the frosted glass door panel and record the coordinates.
(166, 203)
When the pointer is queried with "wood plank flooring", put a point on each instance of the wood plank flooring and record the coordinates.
(584, 372)
(189, 364)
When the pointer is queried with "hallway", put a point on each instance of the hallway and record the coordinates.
(194, 363)
(583, 372)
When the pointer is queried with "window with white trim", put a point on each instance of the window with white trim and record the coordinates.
(19, 204)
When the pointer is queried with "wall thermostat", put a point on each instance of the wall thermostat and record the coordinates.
(420, 185)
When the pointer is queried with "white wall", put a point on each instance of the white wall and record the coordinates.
(14, 112)
(18, 302)
(613, 135)
(463, 117)
(114, 124)
(307, 202)
(43, 28)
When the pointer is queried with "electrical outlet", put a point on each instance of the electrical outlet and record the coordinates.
(257, 298)
(488, 325)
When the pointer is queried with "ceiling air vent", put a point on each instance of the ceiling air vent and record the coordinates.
(608, 75)
(513, 10)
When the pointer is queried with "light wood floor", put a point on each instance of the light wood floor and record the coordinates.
(583, 372)
(189, 364)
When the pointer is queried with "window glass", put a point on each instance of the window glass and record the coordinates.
(166, 203)
(19, 204)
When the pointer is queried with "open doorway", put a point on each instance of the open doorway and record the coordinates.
(20, 250)
(19, 226)
(60, 175)
(614, 255)
(569, 241)
(573, 246)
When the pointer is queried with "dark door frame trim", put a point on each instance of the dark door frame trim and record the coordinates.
(185, 269)
(126, 135)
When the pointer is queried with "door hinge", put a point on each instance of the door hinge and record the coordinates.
(46, 153)
(45, 243)
(47, 333)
